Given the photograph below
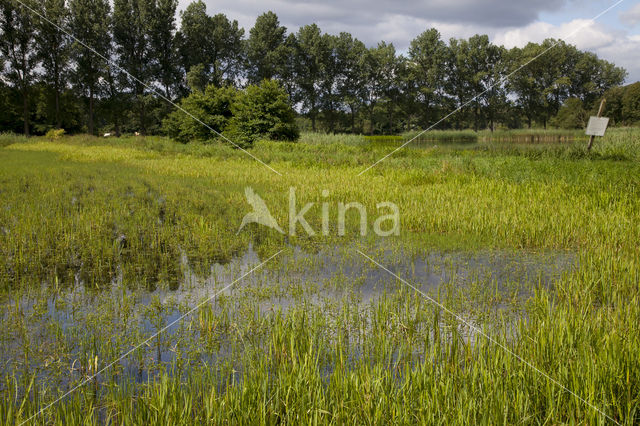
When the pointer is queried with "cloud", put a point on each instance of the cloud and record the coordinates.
(611, 44)
(496, 13)
(584, 33)
(625, 52)
(510, 23)
(631, 17)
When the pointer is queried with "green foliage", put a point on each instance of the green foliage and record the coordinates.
(212, 107)
(571, 115)
(214, 42)
(631, 104)
(54, 134)
(264, 111)
(623, 104)
(197, 78)
(338, 84)
(88, 24)
(266, 49)
(18, 46)
(244, 116)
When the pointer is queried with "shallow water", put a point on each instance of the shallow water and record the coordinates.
(482, 284)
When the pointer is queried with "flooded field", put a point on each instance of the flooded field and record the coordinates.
(130, 293)
(487, 288)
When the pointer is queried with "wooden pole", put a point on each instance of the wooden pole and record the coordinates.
(602, 102)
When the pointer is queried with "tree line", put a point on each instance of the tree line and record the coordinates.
(54, 73)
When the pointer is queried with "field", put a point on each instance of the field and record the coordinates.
(512, 294)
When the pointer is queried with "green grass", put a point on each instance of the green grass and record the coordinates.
(442, 136)
(125, 217)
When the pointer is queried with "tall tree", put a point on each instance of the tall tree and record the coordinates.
(554, 72)
(476, 71)
(193, 37)
(427, 55)
(331, 73)
(379, 65)
(525, 82)
(18, 46)
(163, 49)
(226, 50)
(288, 68)
(132, 22)
(215, 42)
(591, 77)
(90, 24)
(54, 48)
(266, 48)
(350, 85)
(310, 52)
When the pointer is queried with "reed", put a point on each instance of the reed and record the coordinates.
(103, 242)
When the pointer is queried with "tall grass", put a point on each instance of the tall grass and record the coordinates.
(96, 236)
(442, 136)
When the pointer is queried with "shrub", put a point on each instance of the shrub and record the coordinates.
(263, 112)
(212, 107)
(54, 134)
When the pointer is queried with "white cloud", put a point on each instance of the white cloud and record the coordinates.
(584, 33)
(613, 45)
(631, 17)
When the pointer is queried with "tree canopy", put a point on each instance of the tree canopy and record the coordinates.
(334, 83)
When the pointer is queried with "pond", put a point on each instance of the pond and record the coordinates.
(57, 335)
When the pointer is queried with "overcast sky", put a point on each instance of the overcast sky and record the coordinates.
(614, 36)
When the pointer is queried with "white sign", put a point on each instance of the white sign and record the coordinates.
(597, 126)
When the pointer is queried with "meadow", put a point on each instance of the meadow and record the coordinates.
(531, 240)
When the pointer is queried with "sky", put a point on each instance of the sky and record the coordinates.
(614, 36)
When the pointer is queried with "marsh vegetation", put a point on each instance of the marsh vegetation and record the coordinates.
(103, 243)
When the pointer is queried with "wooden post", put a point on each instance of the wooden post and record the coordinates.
(602, 102)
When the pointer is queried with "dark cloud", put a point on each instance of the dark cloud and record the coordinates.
(491, 13)
(512, 22)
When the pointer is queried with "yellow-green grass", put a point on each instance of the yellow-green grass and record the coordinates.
(125, 211)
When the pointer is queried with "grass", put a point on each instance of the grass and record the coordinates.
(97, 237)
(442, 136)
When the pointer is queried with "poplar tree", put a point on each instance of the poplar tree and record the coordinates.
(90, 24)
(18, 46)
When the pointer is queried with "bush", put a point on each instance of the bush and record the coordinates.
(263, 112)
(212, 107)
(54, 134)
(571, 115)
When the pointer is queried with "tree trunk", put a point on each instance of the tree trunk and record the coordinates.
(143, 127)
(91, 110)
(58, 120)
(25, 94)
(391, 118)
(25, 111)
(57, 90)
(476, 114)
(353, 119)
(371, 120)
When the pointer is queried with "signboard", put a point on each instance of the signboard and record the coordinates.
(597, 126)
